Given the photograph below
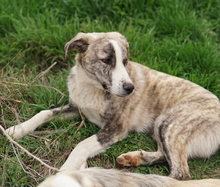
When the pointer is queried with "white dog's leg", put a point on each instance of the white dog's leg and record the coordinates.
(44, 116)
(84, 150)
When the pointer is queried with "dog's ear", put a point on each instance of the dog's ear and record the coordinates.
(82, 40)
(79, 43)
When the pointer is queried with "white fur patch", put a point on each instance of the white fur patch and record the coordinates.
(84, 94)
(62, 180)
(119, 74)
(84, 150)
(207, 147)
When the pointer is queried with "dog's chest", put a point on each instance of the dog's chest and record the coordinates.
(88, 99)
(89, 104)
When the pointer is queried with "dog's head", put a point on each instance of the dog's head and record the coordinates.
(104, 58)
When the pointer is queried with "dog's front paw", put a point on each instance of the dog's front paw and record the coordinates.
(130, 159)
(16, 131)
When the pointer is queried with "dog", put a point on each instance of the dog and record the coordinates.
(96, 177)
(121, 96)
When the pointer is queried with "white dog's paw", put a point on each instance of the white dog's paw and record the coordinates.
(16, 131)
(130, 159)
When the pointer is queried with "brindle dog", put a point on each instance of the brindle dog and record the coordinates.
(122, 96)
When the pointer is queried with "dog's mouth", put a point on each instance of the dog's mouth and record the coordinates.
(123, 94)
(106, 88)
(127, 90)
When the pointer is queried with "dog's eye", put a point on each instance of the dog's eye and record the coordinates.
(106, 61)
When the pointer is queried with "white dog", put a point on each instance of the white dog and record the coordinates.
(96, 177)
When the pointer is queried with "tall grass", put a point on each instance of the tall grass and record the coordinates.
(173, 36)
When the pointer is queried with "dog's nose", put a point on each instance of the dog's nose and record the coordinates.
(128, 87)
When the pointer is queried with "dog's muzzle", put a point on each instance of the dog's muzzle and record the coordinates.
(128, 87)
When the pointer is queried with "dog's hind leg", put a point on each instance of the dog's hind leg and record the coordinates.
(44, 116)
(176, 156)
(177, 160)
(171, 139)
(172, 134)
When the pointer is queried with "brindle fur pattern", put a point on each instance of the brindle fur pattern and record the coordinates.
(96, 177)
(182, 117)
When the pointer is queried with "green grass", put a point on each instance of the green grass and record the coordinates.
(177, 37)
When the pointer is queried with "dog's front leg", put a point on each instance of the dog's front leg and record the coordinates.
(92, 146)
(44, 116)
(84, 150)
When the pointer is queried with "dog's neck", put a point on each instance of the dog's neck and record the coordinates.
(83, 78)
